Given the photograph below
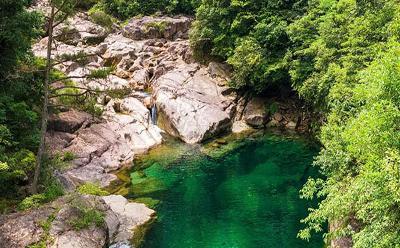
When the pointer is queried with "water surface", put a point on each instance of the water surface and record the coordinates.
(245, 196)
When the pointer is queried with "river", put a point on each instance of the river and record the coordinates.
(242, 192)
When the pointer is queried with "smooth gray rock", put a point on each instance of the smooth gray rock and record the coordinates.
(192, 104)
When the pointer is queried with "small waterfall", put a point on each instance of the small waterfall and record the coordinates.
(154, 114)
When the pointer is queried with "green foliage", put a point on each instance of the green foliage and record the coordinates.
(18, 27)
(250, 35)
(86, 218)
(159, 26)
(98, 16)
(92, 189)
(52, 192)
(86, 4)
(361, 157)
(15, 169)
(73, 97)
(33, 201)
(124, 9)
(337, 39)
(100, 73)
(68, 156)
(20, 96)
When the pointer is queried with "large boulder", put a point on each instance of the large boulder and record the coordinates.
(150, 27)
(78, 29)
(192, 105)
(255, 114)
(69, 121)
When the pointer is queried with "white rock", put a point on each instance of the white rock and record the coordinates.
(131, 215)
(240, 126)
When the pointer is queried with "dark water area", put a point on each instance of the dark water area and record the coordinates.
(245, 196)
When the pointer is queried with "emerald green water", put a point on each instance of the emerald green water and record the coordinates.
(244, 194)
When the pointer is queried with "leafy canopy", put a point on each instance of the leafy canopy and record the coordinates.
(251, 35)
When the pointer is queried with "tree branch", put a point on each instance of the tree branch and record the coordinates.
(68, 94)
(77, 87)
(58, 62)
(66, 78)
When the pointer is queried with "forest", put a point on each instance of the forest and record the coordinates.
(340, 57)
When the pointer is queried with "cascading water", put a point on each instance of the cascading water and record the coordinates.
(154, 114)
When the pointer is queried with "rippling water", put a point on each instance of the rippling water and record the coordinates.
(244, 197)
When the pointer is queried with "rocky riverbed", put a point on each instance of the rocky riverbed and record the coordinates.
(194, 101)
(154, 67)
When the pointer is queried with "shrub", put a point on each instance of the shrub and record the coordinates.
(101, 18)
(159, 26)
(87, 217)
(68, 156)
(52, 192)
(32, 201)
(86, 4)
(92, 189)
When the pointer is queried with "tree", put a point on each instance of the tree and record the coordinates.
(19, 95)
(60, 10)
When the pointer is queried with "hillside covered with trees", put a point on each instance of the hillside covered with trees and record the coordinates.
(340, 57)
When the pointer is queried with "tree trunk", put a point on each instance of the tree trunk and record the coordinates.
(43, 128)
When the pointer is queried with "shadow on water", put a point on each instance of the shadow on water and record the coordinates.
(237, 192)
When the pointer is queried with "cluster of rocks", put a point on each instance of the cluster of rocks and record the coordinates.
(52, 225)
(102, 146)
(259, 112)
(193, 102)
